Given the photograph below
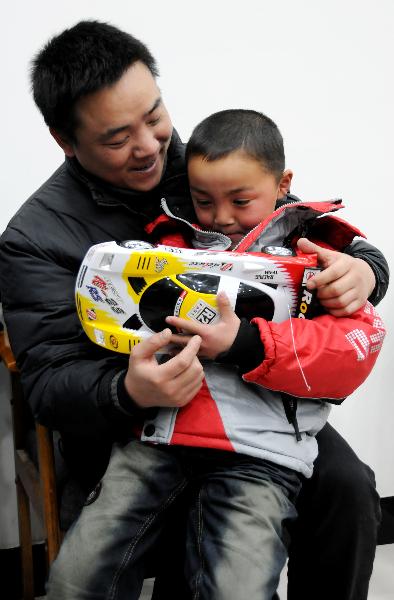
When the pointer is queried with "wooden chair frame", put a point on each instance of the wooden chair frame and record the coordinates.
(35, 486)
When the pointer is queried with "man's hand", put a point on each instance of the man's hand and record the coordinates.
(346, 282)
(173, 383)
(216, 338)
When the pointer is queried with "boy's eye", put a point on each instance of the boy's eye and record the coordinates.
(202, 203)
(241, 202)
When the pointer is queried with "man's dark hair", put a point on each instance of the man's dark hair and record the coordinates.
(81, 60)
(237, 129)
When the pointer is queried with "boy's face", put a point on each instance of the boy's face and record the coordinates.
(233, 194)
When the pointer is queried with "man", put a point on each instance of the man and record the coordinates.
(95, 86)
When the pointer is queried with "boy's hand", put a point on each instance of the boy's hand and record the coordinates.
(215, 339)
(173, 383)
(346, 282)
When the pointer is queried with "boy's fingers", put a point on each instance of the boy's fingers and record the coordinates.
(323, 278)
(227, 313)
(324, 255)
(190, 327)
(223, 303)
(306, 245)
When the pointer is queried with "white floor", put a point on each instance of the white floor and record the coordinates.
(381, 586)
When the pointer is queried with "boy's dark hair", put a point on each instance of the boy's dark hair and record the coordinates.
(237, 129)
(81, 60)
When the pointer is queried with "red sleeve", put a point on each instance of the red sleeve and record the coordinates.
(324, 357)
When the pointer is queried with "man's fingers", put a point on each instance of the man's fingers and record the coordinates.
(187, 384)
(183, 360)
(172, 383)
(179, 340)
(148, 347)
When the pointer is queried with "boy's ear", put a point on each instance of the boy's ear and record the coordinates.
(285, 182)
(63, 143)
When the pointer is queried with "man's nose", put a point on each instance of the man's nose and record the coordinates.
(146, 144)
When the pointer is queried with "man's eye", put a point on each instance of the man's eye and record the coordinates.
(154, 122)
(241, 202)
(117, 143)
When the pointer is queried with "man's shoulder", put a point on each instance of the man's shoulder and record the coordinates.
(60, 193)
(43, 223)
(53, 191)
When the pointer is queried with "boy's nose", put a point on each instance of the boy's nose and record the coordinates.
(223, 218)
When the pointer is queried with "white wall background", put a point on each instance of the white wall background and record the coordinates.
(322, 70)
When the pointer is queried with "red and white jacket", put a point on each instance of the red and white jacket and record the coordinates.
(316, 361)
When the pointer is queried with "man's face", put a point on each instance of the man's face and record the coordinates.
(124, 131)
(233, 194)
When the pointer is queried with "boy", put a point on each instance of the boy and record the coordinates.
(243, 447)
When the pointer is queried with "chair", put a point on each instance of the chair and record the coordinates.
(35, 485)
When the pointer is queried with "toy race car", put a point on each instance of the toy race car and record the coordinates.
(125, 290)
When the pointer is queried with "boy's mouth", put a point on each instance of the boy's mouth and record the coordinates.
(234, 235)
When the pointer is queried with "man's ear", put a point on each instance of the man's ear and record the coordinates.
(63, 143)
(285, 182)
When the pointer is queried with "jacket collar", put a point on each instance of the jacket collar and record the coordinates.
(290, 219)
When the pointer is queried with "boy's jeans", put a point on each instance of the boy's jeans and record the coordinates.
(235, 546)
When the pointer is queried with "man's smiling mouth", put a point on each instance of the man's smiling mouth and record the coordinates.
(146, 168)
